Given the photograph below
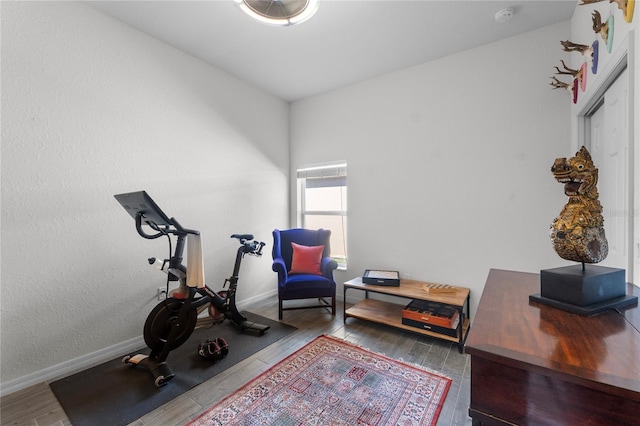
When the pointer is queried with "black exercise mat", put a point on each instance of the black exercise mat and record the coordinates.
(117, 394)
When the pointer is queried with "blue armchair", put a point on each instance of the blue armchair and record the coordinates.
(302, 282)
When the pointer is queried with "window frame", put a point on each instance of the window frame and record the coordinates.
(335, 174)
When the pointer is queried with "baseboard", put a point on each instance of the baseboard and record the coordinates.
(67, 368)
(72, 366)
(242, 304)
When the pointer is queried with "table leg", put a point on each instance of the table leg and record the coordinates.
(344, 305)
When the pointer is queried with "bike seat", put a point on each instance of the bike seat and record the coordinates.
(242, 237)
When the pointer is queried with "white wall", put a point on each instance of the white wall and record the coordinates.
(625, 43)
(92, 108)
(448, 162)
(448, 170)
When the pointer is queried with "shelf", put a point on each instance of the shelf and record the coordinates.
(412, 290)
(391, 314)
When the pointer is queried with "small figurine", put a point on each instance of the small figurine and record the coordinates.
(626, 6)
(570, 87)
(579, 74)
(604, 29)
(590, 53)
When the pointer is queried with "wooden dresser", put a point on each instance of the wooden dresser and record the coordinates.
(535, 364)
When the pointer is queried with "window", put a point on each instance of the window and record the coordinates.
(322, 203)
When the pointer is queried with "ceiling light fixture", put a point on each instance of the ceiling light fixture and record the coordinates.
(279, 12)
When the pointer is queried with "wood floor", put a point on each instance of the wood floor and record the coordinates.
(37, 406)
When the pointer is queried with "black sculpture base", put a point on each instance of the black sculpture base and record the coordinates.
(596, 308)
(582, 286)
(584, 289)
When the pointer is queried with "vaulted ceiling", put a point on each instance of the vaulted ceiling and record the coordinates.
(345, 42)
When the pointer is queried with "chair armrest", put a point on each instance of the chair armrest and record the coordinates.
(279, 267)
(327, 267)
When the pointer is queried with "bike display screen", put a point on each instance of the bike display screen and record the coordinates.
(141, 202)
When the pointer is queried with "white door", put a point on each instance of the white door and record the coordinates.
(609, 147)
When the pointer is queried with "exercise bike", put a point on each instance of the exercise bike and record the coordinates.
(172, 321)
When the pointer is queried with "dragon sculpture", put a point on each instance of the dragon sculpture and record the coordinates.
(578, 232)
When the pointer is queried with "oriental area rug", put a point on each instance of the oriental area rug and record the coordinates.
(332, 382)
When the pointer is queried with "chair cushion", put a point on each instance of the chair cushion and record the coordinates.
(306, 259)
(303, 286)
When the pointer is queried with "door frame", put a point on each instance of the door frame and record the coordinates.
(623, 57)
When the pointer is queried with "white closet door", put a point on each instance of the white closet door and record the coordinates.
(609, 134)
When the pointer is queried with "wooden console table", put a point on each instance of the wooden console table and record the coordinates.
(535, 364)
(391, 313)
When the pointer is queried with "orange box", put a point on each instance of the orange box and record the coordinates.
(432, 313)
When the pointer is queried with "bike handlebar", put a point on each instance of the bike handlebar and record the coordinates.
(153, 226)
(255, 247)
(178, 229)
(250, 247)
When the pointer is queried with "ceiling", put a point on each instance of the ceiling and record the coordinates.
(346, 41)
